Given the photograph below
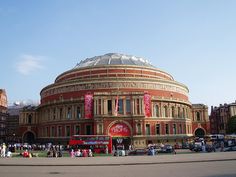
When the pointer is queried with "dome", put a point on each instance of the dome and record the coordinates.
(114, 59)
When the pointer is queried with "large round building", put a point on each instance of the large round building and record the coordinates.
(114, 94)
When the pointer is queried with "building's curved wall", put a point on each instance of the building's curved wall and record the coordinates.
(61, 112)
(115, 78)
(170, 107)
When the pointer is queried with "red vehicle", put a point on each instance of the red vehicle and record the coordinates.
(98, 143)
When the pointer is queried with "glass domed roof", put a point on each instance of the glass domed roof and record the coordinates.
(114, 59)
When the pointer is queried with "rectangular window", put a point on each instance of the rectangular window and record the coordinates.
(167, 128)
(120, 106)
(54, 113)
(49, 114)
(174, 129)
(139, 132)
(128, 106)
(59, 131)
(52, 132)
(158, 129)
(47, 132)
(88, 129)
(78, 112)
(99, 106)
(148, 130)
(109, 106)
(137, 106)
(67, 130)
(77, 129)
(61, 113)
(180, 128)
(100, 129)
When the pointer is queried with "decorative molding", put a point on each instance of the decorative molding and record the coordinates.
(113, 85)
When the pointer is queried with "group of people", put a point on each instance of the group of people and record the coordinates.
(5, 151)
(81, 153)
(54, 152)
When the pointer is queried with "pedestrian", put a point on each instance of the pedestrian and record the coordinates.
(222, 146)
(106, 149)
(174, 151)
(72, 154)
(3, 151)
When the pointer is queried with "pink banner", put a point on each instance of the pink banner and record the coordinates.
(119, 130)
(147, 104)
(116, 108)
(88, 106)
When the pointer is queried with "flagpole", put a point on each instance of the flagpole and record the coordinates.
(117, 102)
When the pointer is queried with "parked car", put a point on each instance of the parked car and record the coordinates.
(185, 145)
(166, 149)
(138, 152)
(232, 148)
(197, 147)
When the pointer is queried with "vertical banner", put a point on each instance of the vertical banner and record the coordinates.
(116, 106)
(147, 104)
(88, 106)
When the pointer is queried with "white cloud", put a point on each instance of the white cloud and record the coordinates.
(29, 64)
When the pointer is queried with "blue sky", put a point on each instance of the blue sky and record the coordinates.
(194, 41)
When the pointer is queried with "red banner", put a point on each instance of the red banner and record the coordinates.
(147, 104)
(88, 106)
(119, 130)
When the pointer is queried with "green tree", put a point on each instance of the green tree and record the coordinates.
(232, 125)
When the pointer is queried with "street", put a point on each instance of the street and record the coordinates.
(182, 165)
(205, 169)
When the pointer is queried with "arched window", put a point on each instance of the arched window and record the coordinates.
(69, 113)
(30, 119)
(179, 112)
(198, 116)
(173, 111)
(165, 111)
(183, 113)
(78, 112)
(157, 111)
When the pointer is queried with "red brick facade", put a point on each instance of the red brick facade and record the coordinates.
(61, 112)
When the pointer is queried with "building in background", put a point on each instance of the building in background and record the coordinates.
(3, 115)
(114, 94)
(220, 116)
(200, 120)
(12, 123)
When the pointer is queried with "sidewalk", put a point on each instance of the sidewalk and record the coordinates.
(116, 161)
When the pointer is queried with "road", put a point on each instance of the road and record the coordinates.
(197, 165)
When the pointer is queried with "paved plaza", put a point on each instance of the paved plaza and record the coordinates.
(221, 164)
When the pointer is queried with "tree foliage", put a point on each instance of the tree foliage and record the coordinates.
(232, 125)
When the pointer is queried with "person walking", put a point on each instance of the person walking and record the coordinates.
(3, 152)
(222, 145)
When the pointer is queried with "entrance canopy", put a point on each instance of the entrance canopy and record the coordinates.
(119, 130)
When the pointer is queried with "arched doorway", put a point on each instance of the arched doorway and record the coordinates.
(29, 137)
(199, 132)
(120, 133)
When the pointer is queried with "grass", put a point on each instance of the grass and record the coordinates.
(44, 154)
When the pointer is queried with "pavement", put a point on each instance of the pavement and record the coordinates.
(121, 161)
